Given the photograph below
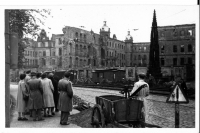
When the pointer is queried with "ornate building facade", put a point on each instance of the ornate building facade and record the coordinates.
(77, 49)
(85, 51)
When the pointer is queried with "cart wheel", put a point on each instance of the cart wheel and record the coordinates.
(98, 119)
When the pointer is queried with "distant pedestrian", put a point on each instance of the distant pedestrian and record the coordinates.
(35, 97)
(151, 81)
(65, 98)
(48, 90)
(55, 93)
(21, 103)
(184, 86)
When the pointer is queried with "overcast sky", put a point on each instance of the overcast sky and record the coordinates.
(119, 18)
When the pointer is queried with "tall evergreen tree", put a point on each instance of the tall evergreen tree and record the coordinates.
(154, 60)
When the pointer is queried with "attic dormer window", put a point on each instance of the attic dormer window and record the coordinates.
(174, 32)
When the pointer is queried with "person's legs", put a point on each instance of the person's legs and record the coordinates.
(23, 116)
(64, 118)
(39, 115)
(49, 111)
(19, 116)
(52, 111)
(61, 117)
(33, 111)
(45, 112)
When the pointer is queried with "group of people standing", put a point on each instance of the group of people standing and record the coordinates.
(39, 92)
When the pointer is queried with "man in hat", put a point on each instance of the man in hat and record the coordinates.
(35, 97)
(142, 94)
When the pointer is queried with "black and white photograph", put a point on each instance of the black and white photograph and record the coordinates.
(110, 65)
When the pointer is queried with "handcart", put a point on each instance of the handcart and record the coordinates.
(119, 111)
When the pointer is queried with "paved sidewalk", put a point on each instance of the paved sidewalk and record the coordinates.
(49, 122)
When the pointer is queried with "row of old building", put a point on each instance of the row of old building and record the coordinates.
(86, 51)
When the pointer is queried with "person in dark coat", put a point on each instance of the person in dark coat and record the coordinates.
(184, 86)
(35, 102)
(55, 93)
(65, 98)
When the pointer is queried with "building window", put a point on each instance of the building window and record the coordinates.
(140, 48)
(174, 48)
(60, 41)
(182, 33)
(162, 49)
(175, 61)
(174, 32)
(145, 57)
(139, 58)
(182, 48)
(36, 62)
(182, 61)
(135, 57)
(190, 32)
(60, 51)
(80, 37)
(145, 48)
(76, 35)
(40, 53)
(84, 38)
(81, 48)
(44, 53)
(189, 60)
(189, 48)
(162, 61)
(54, 53)
(162, 34)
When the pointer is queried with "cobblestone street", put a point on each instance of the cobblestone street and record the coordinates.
(160, 112)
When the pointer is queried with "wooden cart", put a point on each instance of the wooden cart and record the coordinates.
(118, 111)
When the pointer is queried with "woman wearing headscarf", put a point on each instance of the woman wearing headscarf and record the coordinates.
(21, 103)
(48, 90)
